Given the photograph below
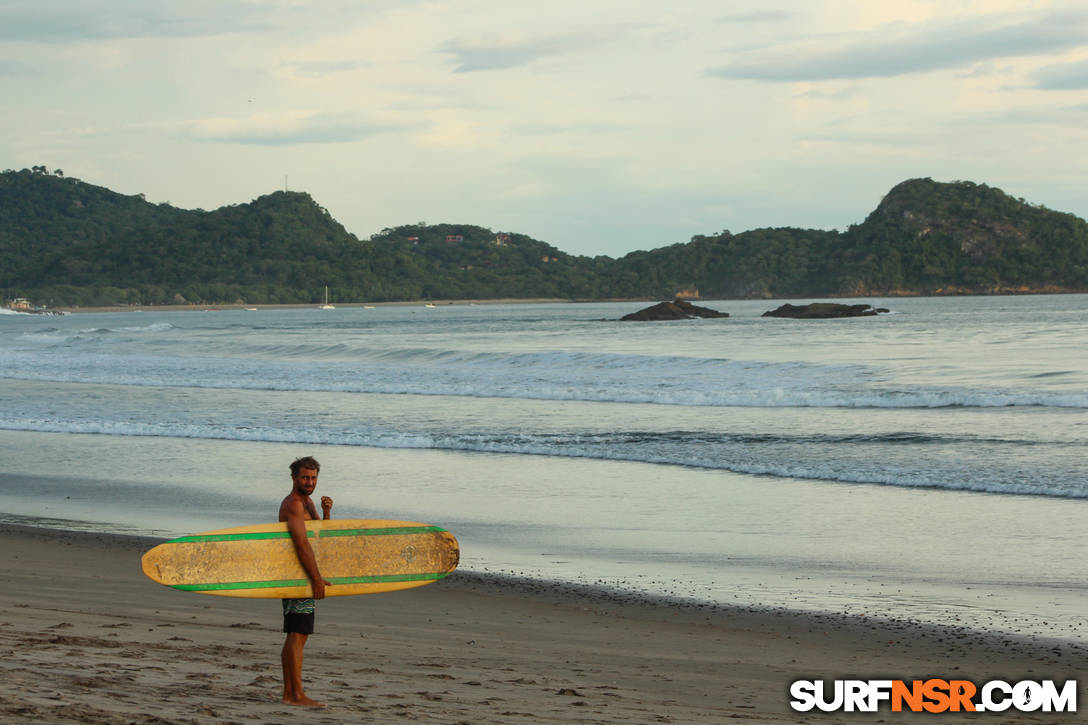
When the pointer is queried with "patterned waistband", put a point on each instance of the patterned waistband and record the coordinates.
(298, 606)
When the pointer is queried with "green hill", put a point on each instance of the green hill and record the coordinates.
(66, 242)
(924, 237)
(963, 237)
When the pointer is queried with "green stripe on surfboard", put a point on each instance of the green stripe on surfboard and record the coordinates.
(391, 531)
(377, 579)
(202, 538)
(260, 535)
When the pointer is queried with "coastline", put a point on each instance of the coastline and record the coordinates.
(337, 305)
(892, 294)
(87, 638)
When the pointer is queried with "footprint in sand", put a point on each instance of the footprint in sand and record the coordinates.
(264, 681)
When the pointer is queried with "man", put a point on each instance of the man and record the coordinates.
(298, 614)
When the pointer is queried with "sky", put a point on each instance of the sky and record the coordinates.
(599, 126)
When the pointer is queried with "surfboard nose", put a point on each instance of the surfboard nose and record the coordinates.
(150, 565)
(451, 552)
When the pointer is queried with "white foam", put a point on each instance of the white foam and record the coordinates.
(830, 468)
(768, 386)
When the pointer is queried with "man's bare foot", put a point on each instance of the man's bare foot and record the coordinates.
(303, 701)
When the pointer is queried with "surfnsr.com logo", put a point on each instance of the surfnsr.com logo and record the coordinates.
(933, 695)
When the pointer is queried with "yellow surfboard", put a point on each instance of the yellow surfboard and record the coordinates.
(358, 556)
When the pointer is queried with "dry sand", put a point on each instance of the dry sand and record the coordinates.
(85, 638)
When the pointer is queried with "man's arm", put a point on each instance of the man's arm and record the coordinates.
(296, 526)
(326, 508)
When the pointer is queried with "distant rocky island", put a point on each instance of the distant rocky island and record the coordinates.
(64, 242)
(824, 311)
(676, 310)
(683, 310)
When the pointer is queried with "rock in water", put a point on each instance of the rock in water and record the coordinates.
(675, 310)
(824, 310)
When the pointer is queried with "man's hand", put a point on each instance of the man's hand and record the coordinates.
(326, 507)
(319, 587)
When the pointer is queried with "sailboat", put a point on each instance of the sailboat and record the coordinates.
(327, 306)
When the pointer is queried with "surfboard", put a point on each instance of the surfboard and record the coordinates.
(359, 556)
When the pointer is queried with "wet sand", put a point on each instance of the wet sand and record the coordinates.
(84, 637)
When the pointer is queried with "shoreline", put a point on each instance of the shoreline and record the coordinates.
(222, 307)
(88, 638)
(315, 306)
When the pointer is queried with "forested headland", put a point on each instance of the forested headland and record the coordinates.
(64, 242)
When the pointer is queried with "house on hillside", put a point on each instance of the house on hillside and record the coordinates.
(454, 238)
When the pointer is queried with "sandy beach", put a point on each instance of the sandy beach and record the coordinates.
(84, 637)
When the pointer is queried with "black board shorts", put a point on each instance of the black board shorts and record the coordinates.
(298, 623)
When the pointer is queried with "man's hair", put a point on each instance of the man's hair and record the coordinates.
(305, 462)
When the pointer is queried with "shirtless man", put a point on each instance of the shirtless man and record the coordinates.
(298, 614)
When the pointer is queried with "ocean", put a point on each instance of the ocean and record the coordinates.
(929, 463)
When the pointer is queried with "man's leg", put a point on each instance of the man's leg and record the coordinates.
(292, 666)
(292, 671)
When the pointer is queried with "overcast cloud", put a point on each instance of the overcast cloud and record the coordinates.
(916, 49)
(61, 21)
(317, 128)
(1063, 76)
(600, 127)
(484, 54)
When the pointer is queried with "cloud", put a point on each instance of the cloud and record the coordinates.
(761, 16)
(472, 55)
(1035, 115)
(565, 128)
(1062, 77)
(66, 20)
(987, 69)
(318, 69)
(919, 48)
(957, 130)
(12, 69)
(844, 94)
(896, 139)
(318, 128)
